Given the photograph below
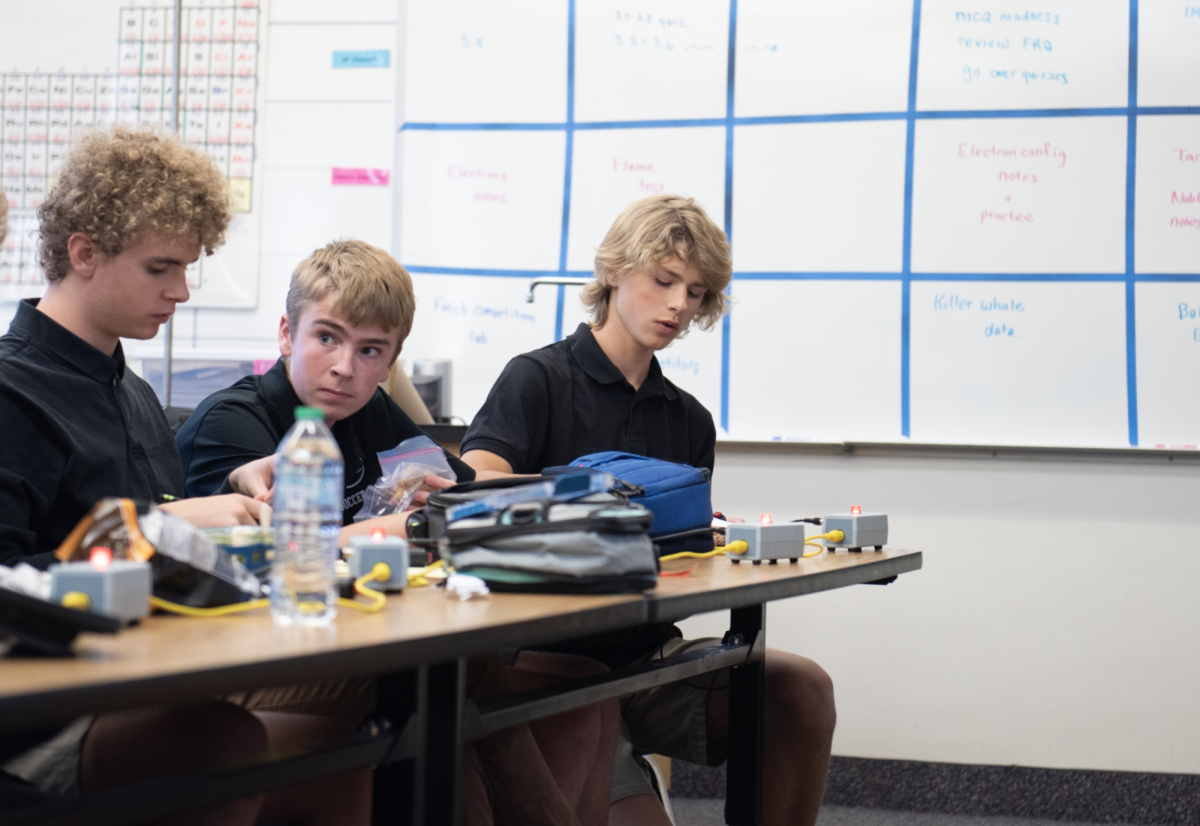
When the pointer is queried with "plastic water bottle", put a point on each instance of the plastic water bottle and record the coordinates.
(307, 519)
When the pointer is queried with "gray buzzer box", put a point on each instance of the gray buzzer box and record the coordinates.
(120, 589)
(863, 530)
(773, 542)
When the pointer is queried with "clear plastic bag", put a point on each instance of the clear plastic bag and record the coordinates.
(404, 470)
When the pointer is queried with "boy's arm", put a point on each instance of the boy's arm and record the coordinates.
(22, 508)
(509, 431)
(220, 441)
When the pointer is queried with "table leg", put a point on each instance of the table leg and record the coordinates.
(393, 788)
(443, 743)
(743, 771)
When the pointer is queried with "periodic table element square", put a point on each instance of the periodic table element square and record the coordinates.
(1019, 195)
(472, 62)
(615, 167)
(815, 360)
(663, 60)
(820, 57)
(1017, 362)
(977, 54)
(482, 199)
(480, 323)
(1167, 229)
(819, 197)
(301, 62)
(1168, 54)
(1168, 348)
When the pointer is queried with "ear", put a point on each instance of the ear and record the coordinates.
(84, 254)
(285, 337)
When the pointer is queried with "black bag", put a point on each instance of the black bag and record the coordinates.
(596, 544)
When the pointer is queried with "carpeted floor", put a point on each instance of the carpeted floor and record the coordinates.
(700, 812)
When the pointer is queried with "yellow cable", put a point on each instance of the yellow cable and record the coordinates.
(189, 611)
(738, 547)
(833, 536)
(418, 579)
(380, 573)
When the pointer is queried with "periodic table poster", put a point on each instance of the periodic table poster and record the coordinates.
(67, 66)
(962, 222)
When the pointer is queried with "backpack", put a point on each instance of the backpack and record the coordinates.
(679, 496)
(594, 544)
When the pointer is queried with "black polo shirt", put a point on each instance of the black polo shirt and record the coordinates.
(77, 427)
(568, 399)
(248, 421)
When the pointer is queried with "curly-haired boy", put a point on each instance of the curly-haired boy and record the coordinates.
(132, 210)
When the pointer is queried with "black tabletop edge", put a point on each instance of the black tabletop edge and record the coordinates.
(31, 711)
(674, 608)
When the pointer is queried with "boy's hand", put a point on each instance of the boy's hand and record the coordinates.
(255, 479)
(432, 483)
(218, 511)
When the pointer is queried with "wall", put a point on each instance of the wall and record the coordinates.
(1053, 624)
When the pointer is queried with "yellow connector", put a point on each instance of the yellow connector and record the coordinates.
(738, 547)
(77, 600)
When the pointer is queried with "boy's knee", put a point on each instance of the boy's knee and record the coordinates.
(215, 734)
(801, 690)
(128, 746)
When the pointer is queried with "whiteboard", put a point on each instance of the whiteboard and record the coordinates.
(952, 222)
(105, 61)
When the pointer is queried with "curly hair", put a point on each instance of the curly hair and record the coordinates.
(3, 215)
(652, 230)
(118, 184)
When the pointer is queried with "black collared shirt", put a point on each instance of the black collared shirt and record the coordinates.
(76, 427)
(248, 421)
(568, 399)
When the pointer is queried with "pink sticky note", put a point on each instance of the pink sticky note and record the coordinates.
(261, 366)
(354, 176)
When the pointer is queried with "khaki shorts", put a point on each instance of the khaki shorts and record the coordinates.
(348, 699)
(671, 720)
(54, 765)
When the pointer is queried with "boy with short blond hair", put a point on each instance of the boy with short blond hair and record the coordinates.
(662, 267)
(349, 308)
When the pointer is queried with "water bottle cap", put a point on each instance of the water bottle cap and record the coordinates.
(304, 413)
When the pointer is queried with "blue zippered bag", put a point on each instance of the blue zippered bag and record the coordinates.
(679, 496)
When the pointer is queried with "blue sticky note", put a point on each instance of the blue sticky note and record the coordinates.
(370, 59)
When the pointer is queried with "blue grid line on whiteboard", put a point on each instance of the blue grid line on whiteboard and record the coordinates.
(1130, 218)
(561, 292)
(910, 138)
(727, 320)
(906, 276)
(777, 120)
(844, 275)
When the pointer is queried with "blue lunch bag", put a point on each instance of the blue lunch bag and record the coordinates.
(679, 496)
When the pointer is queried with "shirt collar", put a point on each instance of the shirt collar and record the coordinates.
(277, 387)
(278, 390)
(599, 366)
(63, 346)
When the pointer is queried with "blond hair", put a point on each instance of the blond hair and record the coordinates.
(371, 287)
(118, 184)
(655, 229)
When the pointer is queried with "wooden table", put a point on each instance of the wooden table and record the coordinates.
(418, 647)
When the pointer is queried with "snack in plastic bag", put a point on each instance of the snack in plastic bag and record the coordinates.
(404, 470)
